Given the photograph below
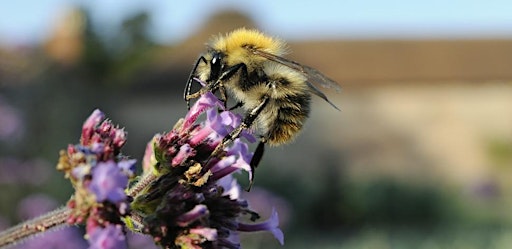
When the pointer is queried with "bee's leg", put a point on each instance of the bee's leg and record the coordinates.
(223, 95)
(246, 123)
(255, 160)
(239, 104)
(195, 95)
(210, 87)
(258, 153)
(226, 75)
(190, 79)
(231, 71)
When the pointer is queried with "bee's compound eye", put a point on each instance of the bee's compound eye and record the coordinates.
(215, 66)
(216, 58)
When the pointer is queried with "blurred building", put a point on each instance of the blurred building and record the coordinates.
(416, 109)
(409, 107)
(65, 43)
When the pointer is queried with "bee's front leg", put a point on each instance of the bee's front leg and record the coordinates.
(246, 124)
(223, 95)
(210, 87)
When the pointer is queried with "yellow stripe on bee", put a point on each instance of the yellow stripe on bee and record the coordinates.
(234, 42)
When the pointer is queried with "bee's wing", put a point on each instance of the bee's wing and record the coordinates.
(314, 76)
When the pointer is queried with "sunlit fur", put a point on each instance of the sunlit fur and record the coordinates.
(288, 108)
(289, 95)
(233, 45)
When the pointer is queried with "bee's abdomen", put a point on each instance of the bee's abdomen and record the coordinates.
(291, 115)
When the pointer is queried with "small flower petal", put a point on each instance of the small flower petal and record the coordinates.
(217, 122)
(237, 158)
(108, 182)
(197, 212)
(230, 119)
(271, 225)
(209, 234)
(119, 138)
(90, 125)
(127, 166)
(206, 101)
(79, 172)
(223, 167)
(184, 153)
(230, 186)
(149, 160)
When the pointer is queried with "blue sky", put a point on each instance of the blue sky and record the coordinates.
(26, 21)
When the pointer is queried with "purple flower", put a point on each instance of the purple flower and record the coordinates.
(272, 225)
(90, 125)
(108, 182)
(209, 234)
(207, 101)
(11, 123)
(35, 205)
(127, 167)
(231, 187)
(238, 157)
(139, 241)
(186, 196)
(194, 201)
(119, 137)
(184, 153)
(233, 120)
(99, 174)
(241, 151)
(67, 237)
(34, 172)
(110, 237)
(197, 212)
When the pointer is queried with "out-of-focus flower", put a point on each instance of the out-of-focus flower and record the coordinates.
(35, 205)
(139, 240)
(65, 237)
(109, 237)
(11, 123)
(99, 174)
(108, 182)
(30, 172)
(195, 202)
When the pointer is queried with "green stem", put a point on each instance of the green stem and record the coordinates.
(43, 223)
(144, 181)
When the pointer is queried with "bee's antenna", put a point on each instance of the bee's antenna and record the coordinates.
(190, 79)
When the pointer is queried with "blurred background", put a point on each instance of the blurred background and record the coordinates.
(420, 155)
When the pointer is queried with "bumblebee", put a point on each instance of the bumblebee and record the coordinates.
(274, 91)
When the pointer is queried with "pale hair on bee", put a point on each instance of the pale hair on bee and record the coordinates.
(275, 92)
